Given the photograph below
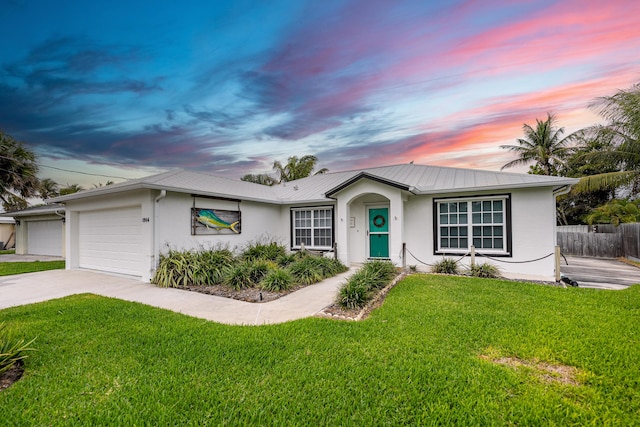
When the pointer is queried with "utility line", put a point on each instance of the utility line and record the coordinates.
(84, 173)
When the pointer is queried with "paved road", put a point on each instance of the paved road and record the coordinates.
(600, 273)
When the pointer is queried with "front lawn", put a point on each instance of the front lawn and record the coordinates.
(440, 351)
(8, 268)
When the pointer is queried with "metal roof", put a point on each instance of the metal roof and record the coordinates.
(417, 179)
(36, 210)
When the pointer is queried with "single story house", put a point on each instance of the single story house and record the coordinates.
(410, 214)
(40, 230)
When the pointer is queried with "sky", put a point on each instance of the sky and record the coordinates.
(108, 90)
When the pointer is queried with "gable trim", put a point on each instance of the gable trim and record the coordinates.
(366, 175)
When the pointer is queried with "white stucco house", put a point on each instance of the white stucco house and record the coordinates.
(410, 214)
(39, 230)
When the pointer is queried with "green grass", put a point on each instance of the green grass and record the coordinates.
(415, 361)
(7, 251)
(8, 268)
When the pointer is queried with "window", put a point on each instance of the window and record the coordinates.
(312, 227)
(481, 222)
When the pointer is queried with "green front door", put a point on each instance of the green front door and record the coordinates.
(378, 232)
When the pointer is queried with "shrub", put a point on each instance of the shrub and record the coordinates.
(11, 349)
(484, 270)
(185, 268)
(286, 260)
(353, 295)
(445, 266)
(361, 286)
(306, 271)
(259, 269)
(267, 251)
(239, 276)
(277, 280)
(175, 269)
(382, 271)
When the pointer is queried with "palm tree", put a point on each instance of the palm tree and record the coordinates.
(48, 189)
(18, 170)
(297, 168)
(262, 178)
(622, 135)
(70, 189)
(543, 145)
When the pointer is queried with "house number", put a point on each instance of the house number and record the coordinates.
(145, 219)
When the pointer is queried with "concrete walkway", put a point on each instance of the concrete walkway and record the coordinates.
(42, 286)
(600, 273)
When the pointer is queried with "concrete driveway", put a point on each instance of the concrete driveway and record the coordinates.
(42, 286)
(600, 273)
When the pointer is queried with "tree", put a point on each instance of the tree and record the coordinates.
(297, 168)
(48, 189)
(262, 178)
(615, 212)
(543, 145)
(18, 170)
(573, 207)
(70, 189)
(622, 135)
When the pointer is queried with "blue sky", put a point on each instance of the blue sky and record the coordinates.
(127, 89)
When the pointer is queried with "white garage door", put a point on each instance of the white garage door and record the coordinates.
(111, 240)
(44, 237)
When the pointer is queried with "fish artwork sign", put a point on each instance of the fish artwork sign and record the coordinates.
(214, 221)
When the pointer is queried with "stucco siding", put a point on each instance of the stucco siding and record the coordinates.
(174, 228)
(532, 233)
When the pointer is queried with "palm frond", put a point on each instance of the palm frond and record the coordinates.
(604, 181)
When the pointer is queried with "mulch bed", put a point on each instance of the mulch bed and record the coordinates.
(12, 375)
(255, 295)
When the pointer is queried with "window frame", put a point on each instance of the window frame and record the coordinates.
(312, 209)
(506, 251)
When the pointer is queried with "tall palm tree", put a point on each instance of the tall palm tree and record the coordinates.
(48, 188)
(261, 178)
(543, 145)
(297, 168)
(70, 189)
(622, 135)
(18, 170)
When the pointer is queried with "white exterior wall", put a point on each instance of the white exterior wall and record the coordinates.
(532, 233)
(257, 220)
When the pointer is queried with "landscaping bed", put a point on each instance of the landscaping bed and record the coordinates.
(261, 272)
(254, 294)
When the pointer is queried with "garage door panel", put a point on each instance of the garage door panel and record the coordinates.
(44, 237)
(111, 240)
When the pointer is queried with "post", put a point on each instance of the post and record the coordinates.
(335, 250)
(557, 253)
(473, 256)
(404, 255)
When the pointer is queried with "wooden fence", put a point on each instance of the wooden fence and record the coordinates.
(607, 241)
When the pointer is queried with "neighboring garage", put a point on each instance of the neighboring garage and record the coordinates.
(111, 240)
(40, 230)
(44, 237)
